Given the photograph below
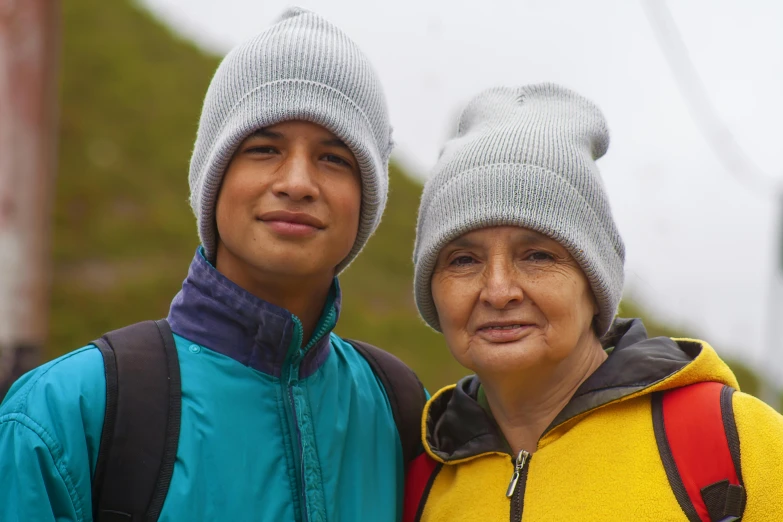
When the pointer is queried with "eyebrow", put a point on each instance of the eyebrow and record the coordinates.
(270, 134)
(335, 142)
(463, 242)
(526, 236)
(266, 133)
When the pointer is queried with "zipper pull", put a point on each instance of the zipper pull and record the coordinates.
(520, 463)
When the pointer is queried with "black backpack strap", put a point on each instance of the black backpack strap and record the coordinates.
(405, 392)
(141, 424)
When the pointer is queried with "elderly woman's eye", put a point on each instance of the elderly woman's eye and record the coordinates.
(540, 256)
(461, 261)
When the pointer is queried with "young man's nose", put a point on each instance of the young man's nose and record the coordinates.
(296, 178)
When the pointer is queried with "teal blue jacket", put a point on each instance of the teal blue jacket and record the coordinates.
(270, 429)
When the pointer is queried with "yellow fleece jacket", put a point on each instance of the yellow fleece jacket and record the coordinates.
(599, 460)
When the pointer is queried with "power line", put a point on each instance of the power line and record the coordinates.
(714, 130)
(734, 159)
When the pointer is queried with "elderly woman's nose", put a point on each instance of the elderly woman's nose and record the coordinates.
(501, 288)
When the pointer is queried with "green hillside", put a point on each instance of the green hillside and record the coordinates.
(124, 234)
(123, 231)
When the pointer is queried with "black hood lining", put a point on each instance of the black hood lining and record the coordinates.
(636, 362)
(459, 425)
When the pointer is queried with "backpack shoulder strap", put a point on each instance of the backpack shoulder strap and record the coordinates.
(418, 482)
(141, 425)
(405, 393)
(699, 446)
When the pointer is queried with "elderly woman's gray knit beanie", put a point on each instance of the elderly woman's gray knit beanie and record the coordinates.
(525, 157)
(301, 68)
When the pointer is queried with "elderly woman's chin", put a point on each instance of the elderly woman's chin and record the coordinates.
(533, 347)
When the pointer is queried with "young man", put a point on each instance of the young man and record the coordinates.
(280, 419)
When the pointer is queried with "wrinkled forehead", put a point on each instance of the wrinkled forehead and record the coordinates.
(510, 235)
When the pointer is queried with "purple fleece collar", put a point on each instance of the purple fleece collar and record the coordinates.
(214, 312)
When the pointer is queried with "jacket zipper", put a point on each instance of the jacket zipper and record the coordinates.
(290, 378)
(516, 488)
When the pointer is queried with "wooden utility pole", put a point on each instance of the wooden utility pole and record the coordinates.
(29, 56)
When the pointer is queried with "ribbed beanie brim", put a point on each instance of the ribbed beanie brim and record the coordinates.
(524, 157)
(301, 68)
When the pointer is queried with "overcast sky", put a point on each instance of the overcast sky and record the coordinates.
(700, 244)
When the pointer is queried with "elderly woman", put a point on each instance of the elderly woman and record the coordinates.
(571, 415)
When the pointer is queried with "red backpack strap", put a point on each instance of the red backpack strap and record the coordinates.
(699, 446)
(421, 474)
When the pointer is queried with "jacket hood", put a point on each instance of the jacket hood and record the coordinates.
(457, 428)
(214, 312)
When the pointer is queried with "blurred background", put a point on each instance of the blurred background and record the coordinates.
(691, 91)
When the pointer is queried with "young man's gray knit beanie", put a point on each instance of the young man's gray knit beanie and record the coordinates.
(525, 157)
(301, 68)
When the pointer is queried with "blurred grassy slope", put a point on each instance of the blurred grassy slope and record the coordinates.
(123, 231)
(124, 234)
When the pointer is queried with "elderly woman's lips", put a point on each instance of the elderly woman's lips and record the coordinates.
(505, 333)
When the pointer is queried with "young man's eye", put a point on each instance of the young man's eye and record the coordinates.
(333, 158)
(261, 149)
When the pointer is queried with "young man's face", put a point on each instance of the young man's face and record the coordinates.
(289, 204)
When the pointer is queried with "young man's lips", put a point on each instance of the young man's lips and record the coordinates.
(291, 223)
(287, 228)
(301, 218)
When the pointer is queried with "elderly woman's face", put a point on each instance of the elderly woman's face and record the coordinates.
(510, 299)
